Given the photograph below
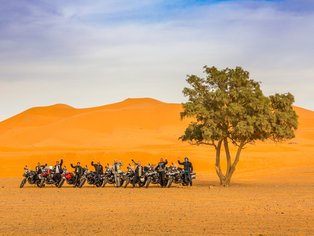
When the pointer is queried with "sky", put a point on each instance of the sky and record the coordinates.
(90, 53)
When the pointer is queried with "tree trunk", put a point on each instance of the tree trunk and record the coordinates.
(228, 156)
(221, 176)
(231, 167)
(234, 165)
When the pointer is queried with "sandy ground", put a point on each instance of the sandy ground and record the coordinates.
(251, 206)
(272, 190)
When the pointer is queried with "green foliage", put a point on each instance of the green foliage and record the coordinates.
(228, 104)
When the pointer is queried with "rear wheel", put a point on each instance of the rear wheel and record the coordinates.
(23, 183)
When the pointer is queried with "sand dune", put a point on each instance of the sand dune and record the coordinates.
(142, 128)
(271, 194)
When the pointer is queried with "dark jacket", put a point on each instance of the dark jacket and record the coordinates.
(188, 167)
(39, 169)
(98, 168)
(78, 170)
(161, 165)
(139, 170)
(59, 166)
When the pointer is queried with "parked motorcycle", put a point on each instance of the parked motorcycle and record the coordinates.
(46, 177)
(128, 176)
(111, 177)
(67, 177)
(177, 176)
(151, 176)
(91, 178)
(30, 177)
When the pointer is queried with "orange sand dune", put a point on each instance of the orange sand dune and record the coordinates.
(144, 129)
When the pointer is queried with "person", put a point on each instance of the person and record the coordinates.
(99, 170)
(138, 172)
(188, 169)
(78, 171)
(57, 170)
(116, 170)
(26, 170)
(39, 168)
(160, 168)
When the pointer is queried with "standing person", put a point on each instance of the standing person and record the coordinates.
(138, 173)
(116, 170)
(39, 168)
(99, 170)
(78, 170)
(161, 169)
(57, 169)
(188, 169)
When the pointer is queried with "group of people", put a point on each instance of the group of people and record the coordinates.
(58, 169)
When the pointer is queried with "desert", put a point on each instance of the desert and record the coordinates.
(271, 194)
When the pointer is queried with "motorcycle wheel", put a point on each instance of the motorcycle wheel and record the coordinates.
(61, 183)
(147, 183)
(99, 184)
(23, 183)
(41, 183)
(141, 184)
(82, 182)
(169, 183)
(126, 183)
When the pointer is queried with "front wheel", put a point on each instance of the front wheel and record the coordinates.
(126, 183)
(104, 183)
(61, 183)
(23, 183)
(147, 182)
(141, 184)
(99, 184)
(82, 182)
(169, 183)
(41, 183)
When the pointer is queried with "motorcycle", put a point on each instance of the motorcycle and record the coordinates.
(177, 176)
(30, 177)
(111, 177)
(47, 177)
(67, 177)
(128, 176)
(91, 178)
(151, 176)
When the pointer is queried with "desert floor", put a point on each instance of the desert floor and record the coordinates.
(272, 204)
(272, 191)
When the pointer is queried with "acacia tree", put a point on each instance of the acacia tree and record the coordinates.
(228, 107)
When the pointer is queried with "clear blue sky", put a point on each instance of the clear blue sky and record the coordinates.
(89, 53)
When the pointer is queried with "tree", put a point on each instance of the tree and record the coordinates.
(228, 107)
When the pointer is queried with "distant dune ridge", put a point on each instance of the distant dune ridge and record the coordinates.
(139, 128)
